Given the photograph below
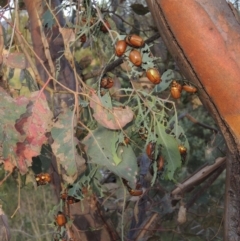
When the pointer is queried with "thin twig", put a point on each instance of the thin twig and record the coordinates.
(111, 230)
(29, 235)
(123, 211)
(19, 195)
(146, 227)
(46, 47)
(198, 177)
(220, 227)
(5, 178)
(131, 25)
(103, 22)
(195, 121)
(21, 41)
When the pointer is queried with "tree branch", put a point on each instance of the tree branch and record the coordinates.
(208, 183)
(197, 178)
(195, 121)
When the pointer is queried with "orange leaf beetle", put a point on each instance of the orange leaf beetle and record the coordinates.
(190, 89)
(182, 149)
(42, 178)
(106, 83)
(160, 163)
(64, 196)
(134, 41)
(103, 28)
(120, 47)
(90, 21)
(153, 75)
(60, 219)
(83, 38)
(135, 192)
(176, 90)
(176, 84)
(150, 149)
(68, 199)
(71, 200)
(46, 177)
(135, 57)
(126, 140)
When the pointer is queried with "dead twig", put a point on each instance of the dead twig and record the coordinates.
(198, 177)
(146, 228)
(209, 182)
(195, 121)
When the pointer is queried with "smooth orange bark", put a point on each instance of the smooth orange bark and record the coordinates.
(210, 41)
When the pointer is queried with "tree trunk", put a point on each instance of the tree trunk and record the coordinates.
(203, 37)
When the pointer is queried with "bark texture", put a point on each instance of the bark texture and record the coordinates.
(203, 37)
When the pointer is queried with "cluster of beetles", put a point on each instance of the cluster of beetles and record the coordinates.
(135, 42)
(150, 151)
(176, 89)
(154, 76)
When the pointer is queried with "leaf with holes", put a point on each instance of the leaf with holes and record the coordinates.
(169, 151)
(102, 149)
(112, 118)
(48, 19)
(167, 78)
(64, 145)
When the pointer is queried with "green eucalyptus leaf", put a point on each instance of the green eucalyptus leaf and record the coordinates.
(64, 145)
(166, 78)
(83, 103)
(155, 171)
(102, 149)
(31, 83)
(48, 19)
(106, 100)
(169, 151)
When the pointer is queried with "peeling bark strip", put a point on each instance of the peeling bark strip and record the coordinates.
(203, 37)
(53, 55)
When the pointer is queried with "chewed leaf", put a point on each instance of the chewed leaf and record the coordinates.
(116, 159)
(169, 151)
(114, 118)
(166, 78)
(64, 145)
(48, 19)
(99, 147)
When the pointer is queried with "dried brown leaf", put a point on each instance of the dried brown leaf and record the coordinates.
(115, 118)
